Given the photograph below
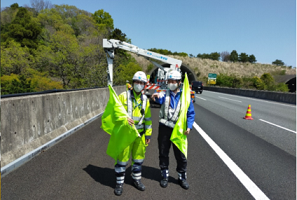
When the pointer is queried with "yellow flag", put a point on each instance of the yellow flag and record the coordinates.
(178, 137)
(115, 123)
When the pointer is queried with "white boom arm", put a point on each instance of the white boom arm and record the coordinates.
(110, 45)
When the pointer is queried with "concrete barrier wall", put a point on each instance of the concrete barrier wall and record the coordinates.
(274, 96)
(31, 121)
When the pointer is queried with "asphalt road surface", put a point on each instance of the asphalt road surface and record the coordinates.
(228, 158)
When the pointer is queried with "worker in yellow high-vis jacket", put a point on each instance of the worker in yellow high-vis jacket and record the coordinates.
(138, 108)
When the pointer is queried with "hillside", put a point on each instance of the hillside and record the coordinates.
(202, 67)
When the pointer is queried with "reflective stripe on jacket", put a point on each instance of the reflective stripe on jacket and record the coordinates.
(173, 103)
(169, 115)
(133, 103)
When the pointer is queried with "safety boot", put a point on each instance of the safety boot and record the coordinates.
(136, 177)
(184, 184)
(164, 180)
(118, 190)
(182, 180)
(138, 185)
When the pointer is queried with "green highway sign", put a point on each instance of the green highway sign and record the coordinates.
(212, 78)
(210, 75)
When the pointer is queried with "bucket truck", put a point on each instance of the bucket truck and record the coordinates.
(112, 44)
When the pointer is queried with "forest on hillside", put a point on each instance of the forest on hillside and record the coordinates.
(46, 47)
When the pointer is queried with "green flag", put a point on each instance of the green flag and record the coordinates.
(178, 137)
(115, 123)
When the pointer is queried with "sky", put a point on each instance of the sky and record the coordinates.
(264, 28)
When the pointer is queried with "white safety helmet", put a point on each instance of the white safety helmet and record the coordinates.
(174, 75)
(139, 76)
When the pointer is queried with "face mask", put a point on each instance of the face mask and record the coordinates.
(172, 86)
(138, 87)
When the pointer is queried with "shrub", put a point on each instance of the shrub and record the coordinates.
(15, 84)
(224, 80)
(258, 83)
(248, 83)
(30, 81)
(237, 82)
(282, 87)
(267, 79)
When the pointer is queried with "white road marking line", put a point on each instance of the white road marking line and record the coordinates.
(277, 126)
(200, 98)
(229, 99)
(242, 177)
(237, 96)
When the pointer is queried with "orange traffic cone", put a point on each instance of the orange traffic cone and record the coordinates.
(248, 114)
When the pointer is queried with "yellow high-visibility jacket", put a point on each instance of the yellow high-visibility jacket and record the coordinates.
(138, 102)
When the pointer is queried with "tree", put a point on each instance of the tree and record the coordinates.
(183, 54)
(23, 29)
(15, 84)
(14, 58)
(225, 55)
(268, 80)
(103, 19)
(252, 59)
(14, 6)
(39, 5)
(84, 25)
(214, 56)
(50, 18)
(119, 35)
(126, 72)
(243, 57)
(234, 56)
(278, 63)
(191, 55)
(258, 83)
(7, 16)
(203, 56)
(65, 56)
(43, 58)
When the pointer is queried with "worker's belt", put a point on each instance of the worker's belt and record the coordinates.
(167, 123)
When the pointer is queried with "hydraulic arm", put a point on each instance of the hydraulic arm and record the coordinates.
(110, 45)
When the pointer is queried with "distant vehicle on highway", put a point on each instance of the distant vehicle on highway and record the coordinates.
(197, 86)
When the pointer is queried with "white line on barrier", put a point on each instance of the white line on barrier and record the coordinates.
(277, 125)
(242, 177)
(25, 158)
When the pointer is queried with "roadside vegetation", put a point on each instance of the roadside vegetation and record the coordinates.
(45, 47)
(232, 74)
(240, 74)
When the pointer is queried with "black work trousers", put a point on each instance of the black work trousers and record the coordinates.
(164, 146)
